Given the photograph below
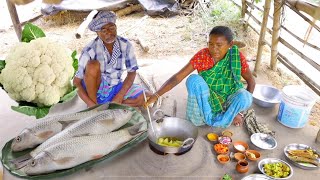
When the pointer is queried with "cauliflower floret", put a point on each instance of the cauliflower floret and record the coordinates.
(38, 72)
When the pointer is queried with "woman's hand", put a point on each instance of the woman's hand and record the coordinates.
(153, 98)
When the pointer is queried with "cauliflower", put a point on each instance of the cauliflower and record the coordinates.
(38, 72)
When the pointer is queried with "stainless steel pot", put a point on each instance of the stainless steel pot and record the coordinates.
(173, 127)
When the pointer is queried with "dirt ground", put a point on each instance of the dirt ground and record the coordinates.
(180, 36)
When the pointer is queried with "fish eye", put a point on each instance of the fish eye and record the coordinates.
(18, 138)
(33, 163)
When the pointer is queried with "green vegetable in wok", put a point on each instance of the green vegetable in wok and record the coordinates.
(169, 141)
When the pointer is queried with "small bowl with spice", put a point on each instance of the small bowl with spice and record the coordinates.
(212, 137)
(253, 155)
(221, 148)
(227, 133)
(226, 140)
(240, 146)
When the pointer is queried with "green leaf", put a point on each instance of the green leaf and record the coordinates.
(75, 61)
(2, 65)
(31, 109)
(38, 112)
(70, 95)
(31, 32)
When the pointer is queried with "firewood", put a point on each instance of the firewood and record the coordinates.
(129, 10)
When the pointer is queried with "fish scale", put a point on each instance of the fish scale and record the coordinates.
(103, 122)
(47, 127)
(75, 151)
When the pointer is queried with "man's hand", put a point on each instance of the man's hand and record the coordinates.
(118, 99)
(91, 105)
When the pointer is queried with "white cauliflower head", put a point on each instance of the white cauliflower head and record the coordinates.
(38, 72)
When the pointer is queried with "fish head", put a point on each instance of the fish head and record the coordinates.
(26, 139)
(41, 163)
(123, 114)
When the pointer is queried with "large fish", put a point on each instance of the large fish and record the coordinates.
(47, 127)
(75, 151)
(103, 122)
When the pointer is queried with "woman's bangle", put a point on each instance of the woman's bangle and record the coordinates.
(157, 95)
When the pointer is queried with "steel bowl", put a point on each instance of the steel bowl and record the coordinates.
(274, 160)
(172, 127)
(266, 96)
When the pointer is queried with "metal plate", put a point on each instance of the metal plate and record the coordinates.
(274, 160)
(256, 177)
(308, 166)
(263, 141)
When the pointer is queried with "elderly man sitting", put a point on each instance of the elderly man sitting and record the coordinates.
(101, 65)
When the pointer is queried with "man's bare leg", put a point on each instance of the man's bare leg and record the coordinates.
(92, 79)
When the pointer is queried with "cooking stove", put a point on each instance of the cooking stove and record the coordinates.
(163, 153)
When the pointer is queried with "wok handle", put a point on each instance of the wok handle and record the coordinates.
(162, 115)
(187, 143)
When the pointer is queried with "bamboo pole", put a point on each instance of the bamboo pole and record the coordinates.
(262, 36)
(258, 8)
(313, 85)
(299, 53)
(303, 16)
(286, 29)
(300, 39)
(306, 7)
(289, 46)
(243, 8)
(283, 27)
(31, 20)
(14, 18)
(278, 7)
(307, 35)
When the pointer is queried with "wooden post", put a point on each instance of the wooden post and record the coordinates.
(83, 26)
(310, 9)
(143, 44)
(278, 7)
(243, 8)
(263, 30)
(14, 18)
